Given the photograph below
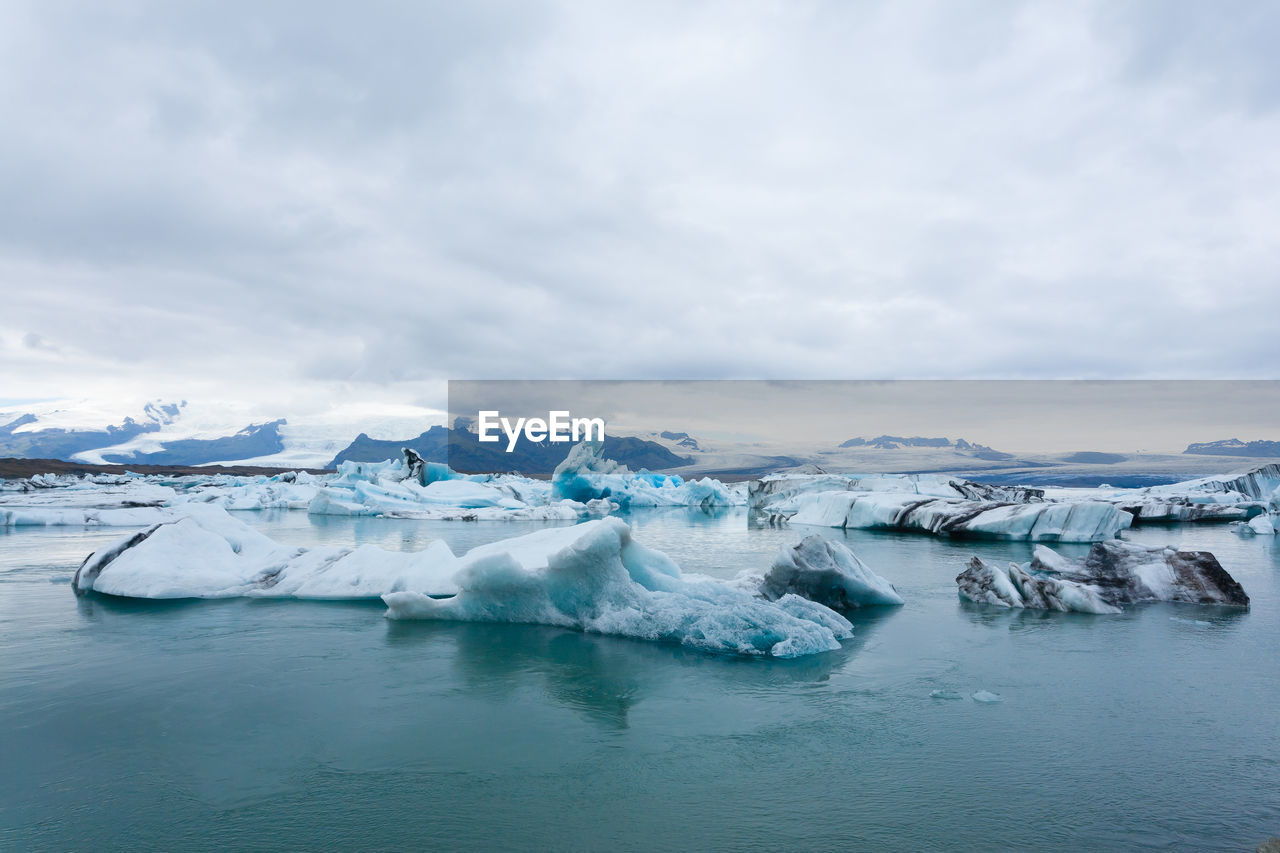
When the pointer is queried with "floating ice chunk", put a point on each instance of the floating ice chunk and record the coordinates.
(987, 697)
(64, 492)
(1014, 586)
(768, 492)
(1232, 497)
(1262, 524)
(823, 570)
(412, 488)
(1113, 574)
(1084, 521)
(595, 577)
(206, 553)
(1128, 573)
(46, 516)
(949, 695)
(585, 475)
(591, 576)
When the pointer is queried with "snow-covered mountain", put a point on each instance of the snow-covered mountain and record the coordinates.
(1235, 447)
(194, 433)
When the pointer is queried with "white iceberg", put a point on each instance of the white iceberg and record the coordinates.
(88, 517)
(586, 475)
(591, 577)
(1085, 521)
(206, 553)
(400, 489)
(942, 506)
(1266, 525)
(1238, 496)
(595, 577)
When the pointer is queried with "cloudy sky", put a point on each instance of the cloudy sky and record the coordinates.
(290, 203)
(1024, 416)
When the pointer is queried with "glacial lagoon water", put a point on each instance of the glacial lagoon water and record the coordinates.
(308, 725)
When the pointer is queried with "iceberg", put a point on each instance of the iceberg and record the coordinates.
(1260, 524)
(1085, 521)
(410, 488)
(595, 577)
(205, 553)
(109, 501)
(117, 499)
(1112, 575)
(586, 475)
(775, 489)
(587, 485)
(590, 576)
(940, 506)
(1015, 586)
(822, 570)
(85, 516)
(1238, 496)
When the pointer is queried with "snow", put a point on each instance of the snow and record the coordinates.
(311, 439)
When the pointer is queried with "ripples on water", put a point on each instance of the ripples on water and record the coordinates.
(239, 724)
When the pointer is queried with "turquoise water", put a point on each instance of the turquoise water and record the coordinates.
(303, 725)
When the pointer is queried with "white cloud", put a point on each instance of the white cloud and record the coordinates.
(273, 203)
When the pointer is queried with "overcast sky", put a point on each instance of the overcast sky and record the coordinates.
(291, 203)
(1020, 416)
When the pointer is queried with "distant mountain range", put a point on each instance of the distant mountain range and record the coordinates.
(63, 443)
(463, 451)
(1235, 447)
(681, 439)
(170, 434)
(896, 442)
(176, 433)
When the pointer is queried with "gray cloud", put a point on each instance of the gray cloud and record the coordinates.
(280, 201)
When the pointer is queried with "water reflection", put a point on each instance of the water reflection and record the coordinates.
(1015, 619)
(605, 677)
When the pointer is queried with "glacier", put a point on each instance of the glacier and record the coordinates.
(1113, 574)
(590, 576)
